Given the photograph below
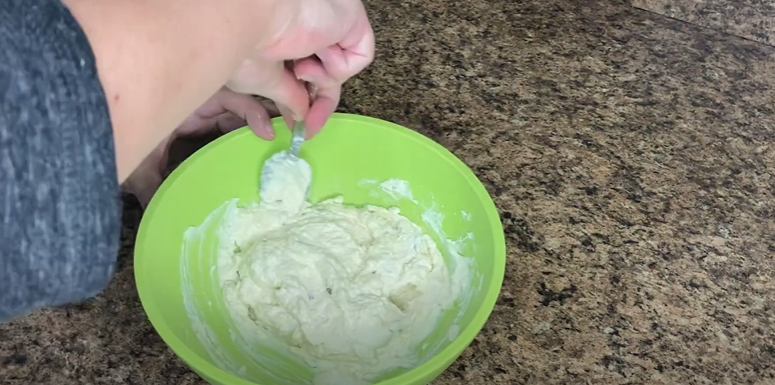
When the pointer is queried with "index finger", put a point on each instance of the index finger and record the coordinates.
(352, 54)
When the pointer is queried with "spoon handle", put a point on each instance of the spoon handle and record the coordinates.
(299, 132)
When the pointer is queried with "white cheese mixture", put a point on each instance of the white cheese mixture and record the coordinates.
(352, 291)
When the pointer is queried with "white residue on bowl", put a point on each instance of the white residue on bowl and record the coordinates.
(195, 245)
(396, 188)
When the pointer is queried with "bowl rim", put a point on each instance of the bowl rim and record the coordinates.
(205, 368)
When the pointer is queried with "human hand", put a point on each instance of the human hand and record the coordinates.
(224, 112)
(325, 43)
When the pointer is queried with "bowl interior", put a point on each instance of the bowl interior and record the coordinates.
(365, 160)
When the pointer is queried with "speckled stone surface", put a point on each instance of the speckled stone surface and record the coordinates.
(631, 157)
(751, 19)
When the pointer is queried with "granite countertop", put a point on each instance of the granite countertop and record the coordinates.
(751, 19)
(631, 157)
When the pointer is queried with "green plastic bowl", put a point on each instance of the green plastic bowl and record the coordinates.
(350, 158)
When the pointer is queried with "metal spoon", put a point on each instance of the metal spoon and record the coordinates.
(286, 177)
(297, 138)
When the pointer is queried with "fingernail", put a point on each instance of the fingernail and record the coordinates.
(268, 130)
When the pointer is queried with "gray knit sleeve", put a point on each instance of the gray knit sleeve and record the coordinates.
(59, 206)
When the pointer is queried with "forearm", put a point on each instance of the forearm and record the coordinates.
(159, 60)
